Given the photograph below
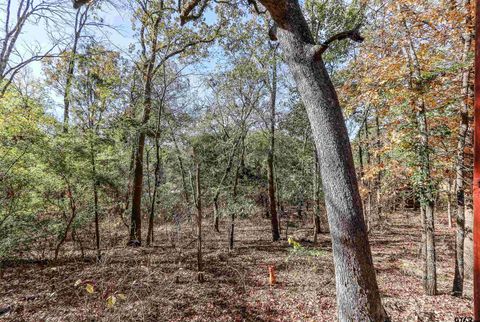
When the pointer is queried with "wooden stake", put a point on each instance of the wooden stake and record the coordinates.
(272, 275)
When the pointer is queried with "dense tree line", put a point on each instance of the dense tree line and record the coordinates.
(343, 110)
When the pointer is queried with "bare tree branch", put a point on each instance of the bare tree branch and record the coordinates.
(256, 8)
(187, 13)
(353, 34)
(12, 58)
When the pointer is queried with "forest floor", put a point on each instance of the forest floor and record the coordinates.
(159, 283)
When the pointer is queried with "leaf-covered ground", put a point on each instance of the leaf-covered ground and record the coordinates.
(159, 283)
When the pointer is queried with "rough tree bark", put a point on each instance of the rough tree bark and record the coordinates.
(316, 199)
(460, 162)
(360, 301)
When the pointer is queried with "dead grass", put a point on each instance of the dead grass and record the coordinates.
(159, 283)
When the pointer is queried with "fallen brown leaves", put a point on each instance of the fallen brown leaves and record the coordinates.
(159, 283)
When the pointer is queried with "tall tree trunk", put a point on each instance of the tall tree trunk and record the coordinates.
(280, 210)
(234, 195)
(449, 204)
(378, 181)
(216, 215)
(271, 152)
(460, 164)
(157, 178)
(181, 165)
(80, 20)
(468, 185)
(425, 186)
(316, 199)
(198, 203)
(431, 273)
(136, 217)
(360, 301)
(231, 231)
(95, 203)
(423, 244)
(361, 173)
(427, 201)
(73, 210)
(368, 184)
(158, 169)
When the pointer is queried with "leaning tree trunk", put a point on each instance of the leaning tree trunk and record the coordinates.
(460, 164)
(360, 301)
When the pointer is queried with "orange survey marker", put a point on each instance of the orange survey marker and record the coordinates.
(272, 276)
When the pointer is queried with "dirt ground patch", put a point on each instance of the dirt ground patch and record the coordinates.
(159, 283)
